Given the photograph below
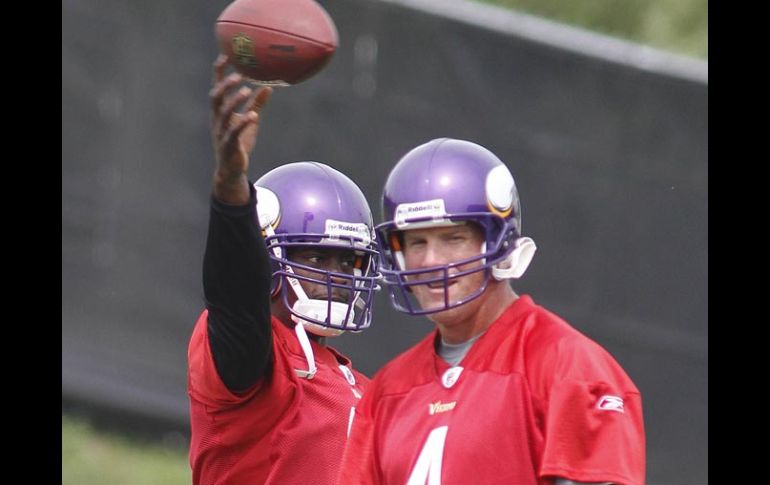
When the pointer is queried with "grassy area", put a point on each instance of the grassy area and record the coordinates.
(679, 26)
(91, 457)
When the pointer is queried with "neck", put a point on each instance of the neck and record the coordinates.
(467, 321)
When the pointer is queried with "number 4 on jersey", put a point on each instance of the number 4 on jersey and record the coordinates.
(427, 470)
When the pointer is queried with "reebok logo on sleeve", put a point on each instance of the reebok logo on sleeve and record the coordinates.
(610, 403)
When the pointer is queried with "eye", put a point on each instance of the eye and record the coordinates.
(414, 243)
(312, 258)
(348, 261)
(459, 240)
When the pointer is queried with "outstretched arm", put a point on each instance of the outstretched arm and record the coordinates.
(236, 267)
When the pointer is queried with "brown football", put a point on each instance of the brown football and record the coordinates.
(279, 42)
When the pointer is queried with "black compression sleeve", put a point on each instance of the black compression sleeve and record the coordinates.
(236, 285)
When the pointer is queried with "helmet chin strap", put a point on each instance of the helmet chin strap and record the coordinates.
(299, 330)
(517, 262)
(317, 309)
(304, 342)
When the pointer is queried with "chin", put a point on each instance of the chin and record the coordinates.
(453, 315)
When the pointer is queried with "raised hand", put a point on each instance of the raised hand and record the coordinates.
(233, 132)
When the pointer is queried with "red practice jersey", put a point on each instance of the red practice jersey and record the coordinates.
(285, 430)
(532, 399)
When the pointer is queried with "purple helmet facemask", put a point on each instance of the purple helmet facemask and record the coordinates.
(309, 204)
(442, 183)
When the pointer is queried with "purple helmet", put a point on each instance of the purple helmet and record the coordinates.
(441, 183)
(311, 204)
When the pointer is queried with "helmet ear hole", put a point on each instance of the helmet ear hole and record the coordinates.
(517, 262)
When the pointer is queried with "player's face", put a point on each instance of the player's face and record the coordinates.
(426, 248)
(324, 259)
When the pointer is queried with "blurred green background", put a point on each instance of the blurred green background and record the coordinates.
(679, 26)
(93, 455)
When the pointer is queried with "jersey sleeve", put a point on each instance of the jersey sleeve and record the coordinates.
(594, 429)
(204, 384)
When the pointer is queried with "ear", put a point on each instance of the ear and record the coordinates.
(517, 262)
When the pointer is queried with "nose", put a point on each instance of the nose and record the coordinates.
(339, 266)
(340, 294)
(337, 278)
(431, 255)
(336, 264)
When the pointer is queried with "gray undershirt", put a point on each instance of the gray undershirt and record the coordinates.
(454, 353)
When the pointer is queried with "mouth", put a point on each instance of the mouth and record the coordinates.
(439, 285)
(324, 297)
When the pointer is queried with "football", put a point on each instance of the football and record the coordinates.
(276, 42)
